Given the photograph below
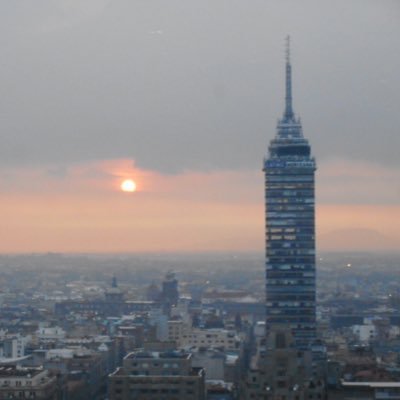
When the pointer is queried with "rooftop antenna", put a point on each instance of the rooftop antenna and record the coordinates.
(287, 49)
(289, 114)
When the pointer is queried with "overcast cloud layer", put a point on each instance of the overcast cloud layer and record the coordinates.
(195, 85)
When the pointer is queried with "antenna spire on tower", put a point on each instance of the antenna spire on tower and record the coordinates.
(288, 114)
(288, 49)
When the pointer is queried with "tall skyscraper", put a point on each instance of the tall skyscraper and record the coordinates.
(290, 227)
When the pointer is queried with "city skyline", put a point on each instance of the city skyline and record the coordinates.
(183, 99)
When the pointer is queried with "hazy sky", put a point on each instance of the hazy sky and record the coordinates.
(183, 96)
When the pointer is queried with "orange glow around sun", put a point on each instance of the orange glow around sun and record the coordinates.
(128, 185)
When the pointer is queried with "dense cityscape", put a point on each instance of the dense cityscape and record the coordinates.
(144, 256)
(71, 320)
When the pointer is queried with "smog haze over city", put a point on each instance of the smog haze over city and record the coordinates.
(182, 98)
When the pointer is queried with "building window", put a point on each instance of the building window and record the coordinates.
(280, 340)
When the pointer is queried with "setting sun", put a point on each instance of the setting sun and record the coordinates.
(128, 185)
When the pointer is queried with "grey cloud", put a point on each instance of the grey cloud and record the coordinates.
(195, 84)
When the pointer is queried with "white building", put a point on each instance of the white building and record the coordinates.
(364, 333)
(53, 333)
(12, 345)
(259, 329)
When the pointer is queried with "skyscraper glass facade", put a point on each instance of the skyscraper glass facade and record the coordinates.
(290, 228)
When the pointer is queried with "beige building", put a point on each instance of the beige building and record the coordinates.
(185, 336)
(154, 375)
(178, 332)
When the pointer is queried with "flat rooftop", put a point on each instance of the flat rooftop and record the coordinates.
(157, 355)
(8, 371)
(121, 371)
(371, 384)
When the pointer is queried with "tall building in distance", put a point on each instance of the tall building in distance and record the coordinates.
(290, 227)
(289, 363)
(169, 292)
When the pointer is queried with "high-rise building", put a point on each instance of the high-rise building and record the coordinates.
(288, 363)
(169, 293)
(290, 231)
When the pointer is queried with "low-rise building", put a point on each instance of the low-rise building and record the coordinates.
(50, 333)
(366, 391)
(364, 333)
(151, 375)
(27, 383)
(12, 345)
(185, 336)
